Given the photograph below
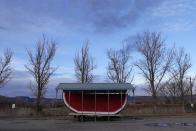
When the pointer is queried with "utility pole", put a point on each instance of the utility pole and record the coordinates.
(191, 84)
(191, 89)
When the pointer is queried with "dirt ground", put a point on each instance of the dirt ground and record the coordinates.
(187, 123)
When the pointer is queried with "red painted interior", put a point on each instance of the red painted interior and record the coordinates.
(102, 101)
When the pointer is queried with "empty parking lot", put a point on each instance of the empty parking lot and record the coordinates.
(143, 124)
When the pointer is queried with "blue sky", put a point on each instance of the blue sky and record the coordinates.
(105, 23)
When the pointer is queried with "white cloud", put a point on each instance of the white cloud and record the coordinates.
(20, 82)
(173, 16)
(18, 63)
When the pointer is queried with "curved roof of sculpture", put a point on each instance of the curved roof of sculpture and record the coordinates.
(94, 86)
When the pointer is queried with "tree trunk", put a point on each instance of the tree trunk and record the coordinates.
(38, 103)
(154, 94)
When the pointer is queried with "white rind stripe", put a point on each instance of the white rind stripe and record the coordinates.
(87, 112)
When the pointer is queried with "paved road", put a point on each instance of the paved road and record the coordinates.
(146, 124)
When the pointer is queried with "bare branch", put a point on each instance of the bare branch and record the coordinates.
(119, 71)
(179, 70)
(84, 65)
(40, 67)
(5, 69)
(156, 59)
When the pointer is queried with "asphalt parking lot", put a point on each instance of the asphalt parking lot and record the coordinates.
(144, 124)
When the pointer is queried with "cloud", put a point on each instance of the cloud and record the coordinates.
(110, 15)
(172, 16)
(20, 82)
(174, 8)
(179, 26)
(18, 63)
(3, 28)
(22, 22)
(89, 15)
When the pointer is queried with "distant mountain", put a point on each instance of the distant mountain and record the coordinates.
(3, 98)
(149, 99)
(28, 100)
(23, 99)
(140, 99)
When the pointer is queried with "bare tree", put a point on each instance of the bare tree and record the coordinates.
(84, 65)
(170, 91)
(133, 88)
(119, 70)
(5, 69)
(40, 67)
(179, 71)
(156, 59)
(191, 87)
